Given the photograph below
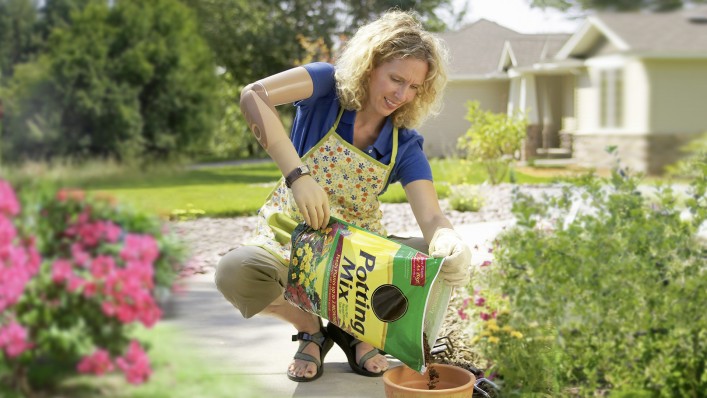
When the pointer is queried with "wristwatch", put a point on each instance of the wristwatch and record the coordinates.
(295, 174)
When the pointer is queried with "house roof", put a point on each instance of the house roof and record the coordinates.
(480, 48)
(681, 32)
(527, 50)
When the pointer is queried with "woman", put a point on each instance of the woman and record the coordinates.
(351, 137)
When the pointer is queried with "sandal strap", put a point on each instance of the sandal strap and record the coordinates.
(308, 358)
(367, 356)
(316, 338)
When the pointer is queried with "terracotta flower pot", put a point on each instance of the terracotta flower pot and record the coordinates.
(453, 382)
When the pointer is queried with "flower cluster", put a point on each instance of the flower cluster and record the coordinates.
(89, 272)
(19, 262)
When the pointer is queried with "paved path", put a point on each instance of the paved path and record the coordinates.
(260, 348)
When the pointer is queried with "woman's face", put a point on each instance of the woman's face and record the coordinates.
(394, 84)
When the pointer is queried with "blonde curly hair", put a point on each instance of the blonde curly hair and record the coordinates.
(395, 35)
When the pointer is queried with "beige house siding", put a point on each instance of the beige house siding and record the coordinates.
(442, 132)
(679, 96)
(662, 111)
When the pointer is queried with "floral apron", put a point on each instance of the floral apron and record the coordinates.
(352, 180)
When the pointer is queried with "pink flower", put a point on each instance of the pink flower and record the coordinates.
(70, 194)
(90, 289)
(479, 302)
(62, 270)
(97, 363)
(75, 283)
(462, 314)
(81, 257)
(17, 266)
(102, 266)
(485, 316)
(8, 200)
(111, 231)
(486, 263)
(135, 364)
(7, 231)
(90, 234)
(140, 248)
(13, 339)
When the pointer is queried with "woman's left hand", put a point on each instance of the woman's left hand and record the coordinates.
(447, 243)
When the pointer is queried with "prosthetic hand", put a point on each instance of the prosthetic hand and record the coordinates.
(258, 101)
(457, 256)
(311, 201)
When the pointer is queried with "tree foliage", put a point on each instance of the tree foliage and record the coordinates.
(119, 81)
(17, 21)
(616, 5)
(257, 39)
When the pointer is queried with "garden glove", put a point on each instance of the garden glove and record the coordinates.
(447, 243)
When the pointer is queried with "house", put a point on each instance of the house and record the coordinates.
(636, 81)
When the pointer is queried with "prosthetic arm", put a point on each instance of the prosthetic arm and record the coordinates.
(258, 101)
(438, 231)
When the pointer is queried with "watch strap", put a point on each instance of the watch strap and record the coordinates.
(295, 174)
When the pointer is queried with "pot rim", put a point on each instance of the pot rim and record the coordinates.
(470, 384)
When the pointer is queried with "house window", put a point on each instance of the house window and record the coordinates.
(611, 84)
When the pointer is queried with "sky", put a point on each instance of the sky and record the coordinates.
(517, 15)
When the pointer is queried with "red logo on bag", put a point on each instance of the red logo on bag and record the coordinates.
(334, 283)
(419, 265)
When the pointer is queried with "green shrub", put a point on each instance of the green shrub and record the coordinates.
(493, 139)
(465, 197)
(607, 286)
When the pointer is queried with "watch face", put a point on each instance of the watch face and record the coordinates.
(304, 169)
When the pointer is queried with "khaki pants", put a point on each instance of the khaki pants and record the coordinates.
(251, 278)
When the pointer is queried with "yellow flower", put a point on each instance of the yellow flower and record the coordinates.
(517, 334)
(299, 252)
(507, 329)
(491, 324)
(475, 339)
(494, 340)
(485, 333)
(295, 261)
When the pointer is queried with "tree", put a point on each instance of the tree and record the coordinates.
(17, 20)
(359, 12)
(257, 39)
(58, 14)
(125, 81)
(616, 5)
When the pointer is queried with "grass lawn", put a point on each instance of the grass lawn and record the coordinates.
(226, 191)
(178, 372)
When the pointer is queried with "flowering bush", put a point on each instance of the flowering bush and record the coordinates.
(605, 287)
(76, 275)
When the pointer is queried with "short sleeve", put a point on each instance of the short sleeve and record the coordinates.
(412, 164)
(322, 75)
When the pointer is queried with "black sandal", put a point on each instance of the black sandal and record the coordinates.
(348, 345)
(323, 341)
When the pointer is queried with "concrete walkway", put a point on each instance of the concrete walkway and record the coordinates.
(261, 349)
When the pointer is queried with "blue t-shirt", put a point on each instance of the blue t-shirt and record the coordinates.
(317, 114)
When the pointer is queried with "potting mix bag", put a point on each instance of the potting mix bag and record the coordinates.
(377, 290)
